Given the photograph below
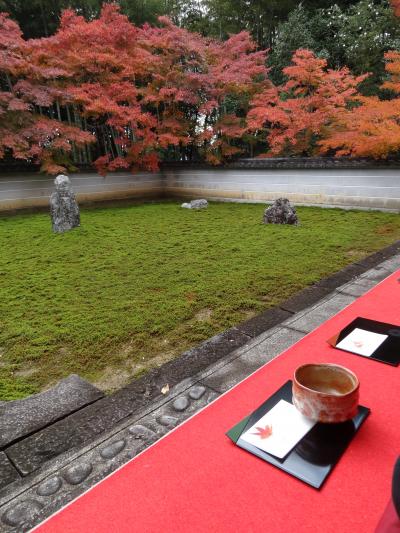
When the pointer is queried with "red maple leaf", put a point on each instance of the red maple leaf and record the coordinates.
(264, 433)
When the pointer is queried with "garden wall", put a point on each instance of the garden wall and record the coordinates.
(370, 188)
(321, 182)
(27, 190)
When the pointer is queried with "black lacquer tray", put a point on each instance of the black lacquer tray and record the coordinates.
(316, 454)
(388, 352)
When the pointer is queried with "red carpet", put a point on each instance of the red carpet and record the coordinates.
(197, 480)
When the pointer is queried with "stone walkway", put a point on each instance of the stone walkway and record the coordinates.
(30, 499)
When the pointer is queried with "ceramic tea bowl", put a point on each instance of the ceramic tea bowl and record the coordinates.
(326, 392)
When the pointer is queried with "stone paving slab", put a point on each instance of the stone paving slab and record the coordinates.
(391, 264)
(28, 501)
(320, 313)
(375, 274)
(235, 371)
(250, 347)
(358, 287)
(346, 274)
(305, 298)
(22, 417)
(189, 363)
(378, 257)
(71, 432)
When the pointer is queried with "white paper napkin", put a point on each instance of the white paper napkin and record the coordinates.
(362, 342)
(279, 430)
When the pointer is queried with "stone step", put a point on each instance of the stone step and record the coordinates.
(20, 418)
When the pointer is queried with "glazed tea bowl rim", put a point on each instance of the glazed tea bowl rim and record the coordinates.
(327, 365)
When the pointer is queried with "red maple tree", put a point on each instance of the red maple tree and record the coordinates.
(26, 131)
(373, 128)
(128, 97)
(295, 115)
(139, 93)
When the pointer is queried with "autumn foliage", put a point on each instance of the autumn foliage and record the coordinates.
(371, 129)
(296, 114)
(25, 131)
(131, 95)
(127, 97)
(320, 111)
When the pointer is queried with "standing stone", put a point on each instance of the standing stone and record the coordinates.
(196, 204)
(280, 212)
(63, 207)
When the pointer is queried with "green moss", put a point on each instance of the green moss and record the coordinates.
(150, 279)
(14, 389)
